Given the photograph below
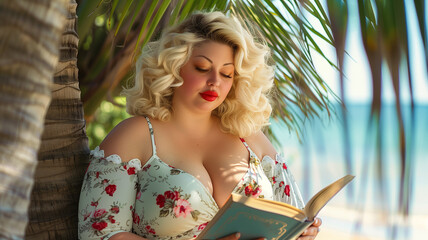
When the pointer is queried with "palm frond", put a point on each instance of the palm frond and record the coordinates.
(290, 35)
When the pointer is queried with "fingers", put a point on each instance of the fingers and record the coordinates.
(231, 237)
(311, 231)
(309, 234)
(237, 236)
(317, 222)
(306, 238)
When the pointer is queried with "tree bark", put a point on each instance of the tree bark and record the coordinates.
(63, 155)
(29, 36)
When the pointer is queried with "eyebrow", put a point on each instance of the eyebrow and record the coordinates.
(211, 60)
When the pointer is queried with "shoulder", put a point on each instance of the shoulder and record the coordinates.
(261, 145)
(129, 139)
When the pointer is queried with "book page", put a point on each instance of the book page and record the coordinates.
(271, 206)
(317, 202)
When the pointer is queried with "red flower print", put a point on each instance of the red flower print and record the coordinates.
(273, 180)
(131, 171)
(86, 216)
(256, 192)
(287, 190)
(114, 209)
(182, 208)
(146, 168)
(177, 195)
(104, 181)
(202, 226)
(99, 225)
(150, 229)
(111, 219)
(284, 166)
(248, 190)
(95, 204)
(97, 175)
(172, 195)
(169, 195)
(160, 200)
(87, 168)
(110, 189)
(135, 218)
(281, 184)
(99, 213)
(138, 195)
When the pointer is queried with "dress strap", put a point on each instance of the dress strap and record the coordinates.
(152, 135)
(248, 147)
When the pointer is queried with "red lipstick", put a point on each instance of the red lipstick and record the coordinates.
(209, 95)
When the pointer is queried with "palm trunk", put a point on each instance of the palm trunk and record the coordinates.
(64, 150)
(29, 36)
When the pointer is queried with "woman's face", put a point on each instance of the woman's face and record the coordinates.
(207, 76)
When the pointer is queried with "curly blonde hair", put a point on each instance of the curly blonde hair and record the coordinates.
(245, 110)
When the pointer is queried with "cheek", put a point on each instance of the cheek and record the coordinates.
(191, 84)
(228, 86)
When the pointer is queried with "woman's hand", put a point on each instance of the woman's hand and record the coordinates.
(312, 231)
(237, 236)
(309, 234)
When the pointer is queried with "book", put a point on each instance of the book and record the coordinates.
(258, 217)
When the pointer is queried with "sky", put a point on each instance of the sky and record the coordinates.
(357, 71)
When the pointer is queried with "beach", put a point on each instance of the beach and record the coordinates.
(369, 207)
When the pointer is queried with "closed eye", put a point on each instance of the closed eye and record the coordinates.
(201, 69)
(226, 75)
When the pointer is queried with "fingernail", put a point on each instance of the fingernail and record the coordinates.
(237, 235)
(319, 229)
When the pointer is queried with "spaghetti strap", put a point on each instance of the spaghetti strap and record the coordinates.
(152, 135)
(248, 147)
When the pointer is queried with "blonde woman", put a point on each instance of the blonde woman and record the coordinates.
(200, 100)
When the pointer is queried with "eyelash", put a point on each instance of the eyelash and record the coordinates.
(228, 76)
(201, 69)
(206, 70)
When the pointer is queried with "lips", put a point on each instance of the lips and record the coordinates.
(209, 95)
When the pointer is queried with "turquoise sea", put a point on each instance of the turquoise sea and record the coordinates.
(369, 206)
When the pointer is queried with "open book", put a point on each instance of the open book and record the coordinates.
(255, 218)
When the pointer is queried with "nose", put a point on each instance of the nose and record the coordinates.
(214, 79)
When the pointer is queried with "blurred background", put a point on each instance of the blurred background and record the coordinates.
(352, 96)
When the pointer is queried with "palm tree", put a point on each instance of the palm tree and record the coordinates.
(110, 33)
(63, 154)
(28, 56)
(302, 93)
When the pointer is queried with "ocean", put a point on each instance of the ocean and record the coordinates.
(368, 208)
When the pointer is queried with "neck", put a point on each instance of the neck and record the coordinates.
(193, 125)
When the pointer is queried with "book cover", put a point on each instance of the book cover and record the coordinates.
(255, 218)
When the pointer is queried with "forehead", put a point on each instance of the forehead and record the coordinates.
(215, 51)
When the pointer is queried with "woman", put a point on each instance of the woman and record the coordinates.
(200, 100)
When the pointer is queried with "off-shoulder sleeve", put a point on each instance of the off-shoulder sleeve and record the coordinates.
(107, 197)
(284, 186)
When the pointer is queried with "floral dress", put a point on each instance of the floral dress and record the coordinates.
(158, 201)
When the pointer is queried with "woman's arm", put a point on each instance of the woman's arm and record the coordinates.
(107, 198)
(126, 236)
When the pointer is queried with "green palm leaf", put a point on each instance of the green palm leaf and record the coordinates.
(302, 91)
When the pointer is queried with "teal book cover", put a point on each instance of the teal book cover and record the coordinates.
(253, 223)
(255, 218)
